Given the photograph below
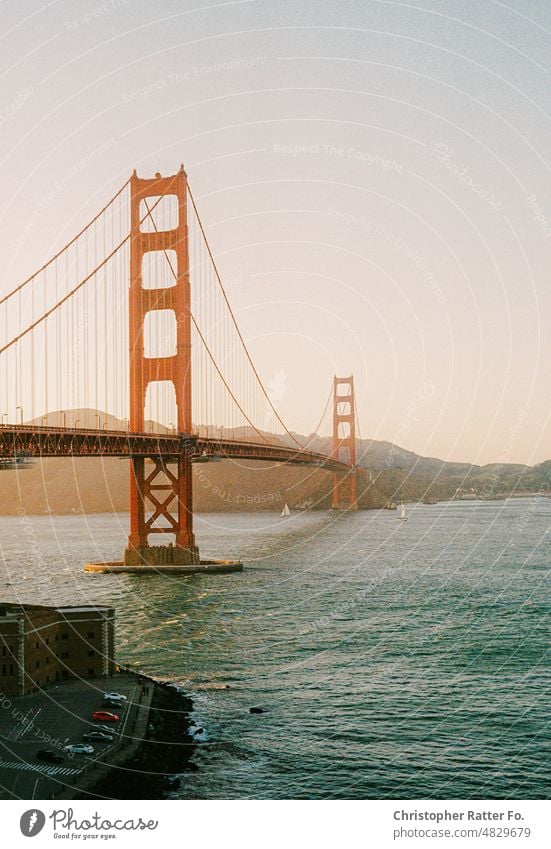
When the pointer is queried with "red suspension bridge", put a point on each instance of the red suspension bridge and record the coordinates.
(131, 317)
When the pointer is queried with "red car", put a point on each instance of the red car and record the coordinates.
(105, 716)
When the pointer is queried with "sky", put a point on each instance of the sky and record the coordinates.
(373, 176)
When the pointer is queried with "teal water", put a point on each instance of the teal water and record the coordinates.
(394, 659)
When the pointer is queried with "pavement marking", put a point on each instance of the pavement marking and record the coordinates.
(29, 723)
(43, 768)
(24, 725)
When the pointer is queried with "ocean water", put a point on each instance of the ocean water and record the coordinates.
(393, 659)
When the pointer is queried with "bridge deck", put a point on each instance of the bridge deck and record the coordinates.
(18, 442)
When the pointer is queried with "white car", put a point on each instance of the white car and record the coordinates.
(116, 696)
(79, 749)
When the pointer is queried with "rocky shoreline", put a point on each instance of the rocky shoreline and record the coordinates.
(151, 773)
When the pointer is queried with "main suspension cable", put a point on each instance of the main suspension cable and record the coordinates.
(73, 291)
(203, 340)
(215, 267)
(64, 248)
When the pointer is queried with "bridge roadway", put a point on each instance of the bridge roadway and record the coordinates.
(19, 442)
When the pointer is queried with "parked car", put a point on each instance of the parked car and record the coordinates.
(99, 736)
(105, 728)
(50, 756)
(105, 716)
(117, 696)
(79, 749)
(111, 703)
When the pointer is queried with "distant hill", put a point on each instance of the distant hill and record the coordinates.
(92, 485)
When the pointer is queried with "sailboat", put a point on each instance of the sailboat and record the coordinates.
(402, 512)
(285, 511)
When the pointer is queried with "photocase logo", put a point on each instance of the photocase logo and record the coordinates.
(276, 389)
(32, 822)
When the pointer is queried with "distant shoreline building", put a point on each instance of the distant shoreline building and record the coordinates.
(40, 645)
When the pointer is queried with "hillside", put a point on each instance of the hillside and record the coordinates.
(92, 485)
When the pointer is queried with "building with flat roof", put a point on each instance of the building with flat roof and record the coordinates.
(40, 645)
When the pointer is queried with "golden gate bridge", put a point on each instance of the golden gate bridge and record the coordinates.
(131, 317)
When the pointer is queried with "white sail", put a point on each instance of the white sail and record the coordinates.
(286, 511)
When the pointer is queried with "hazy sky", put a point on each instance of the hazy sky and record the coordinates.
(374, 177)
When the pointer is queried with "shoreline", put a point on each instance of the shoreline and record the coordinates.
(152, 769)
(321, 509)
(151, 746)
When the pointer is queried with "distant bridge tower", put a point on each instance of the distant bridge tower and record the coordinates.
(344, 443)
(160, 493)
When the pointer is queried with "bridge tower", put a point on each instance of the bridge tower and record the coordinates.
(161, 489)
(344, 443)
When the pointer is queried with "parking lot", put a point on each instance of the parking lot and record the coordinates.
(55, 717)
